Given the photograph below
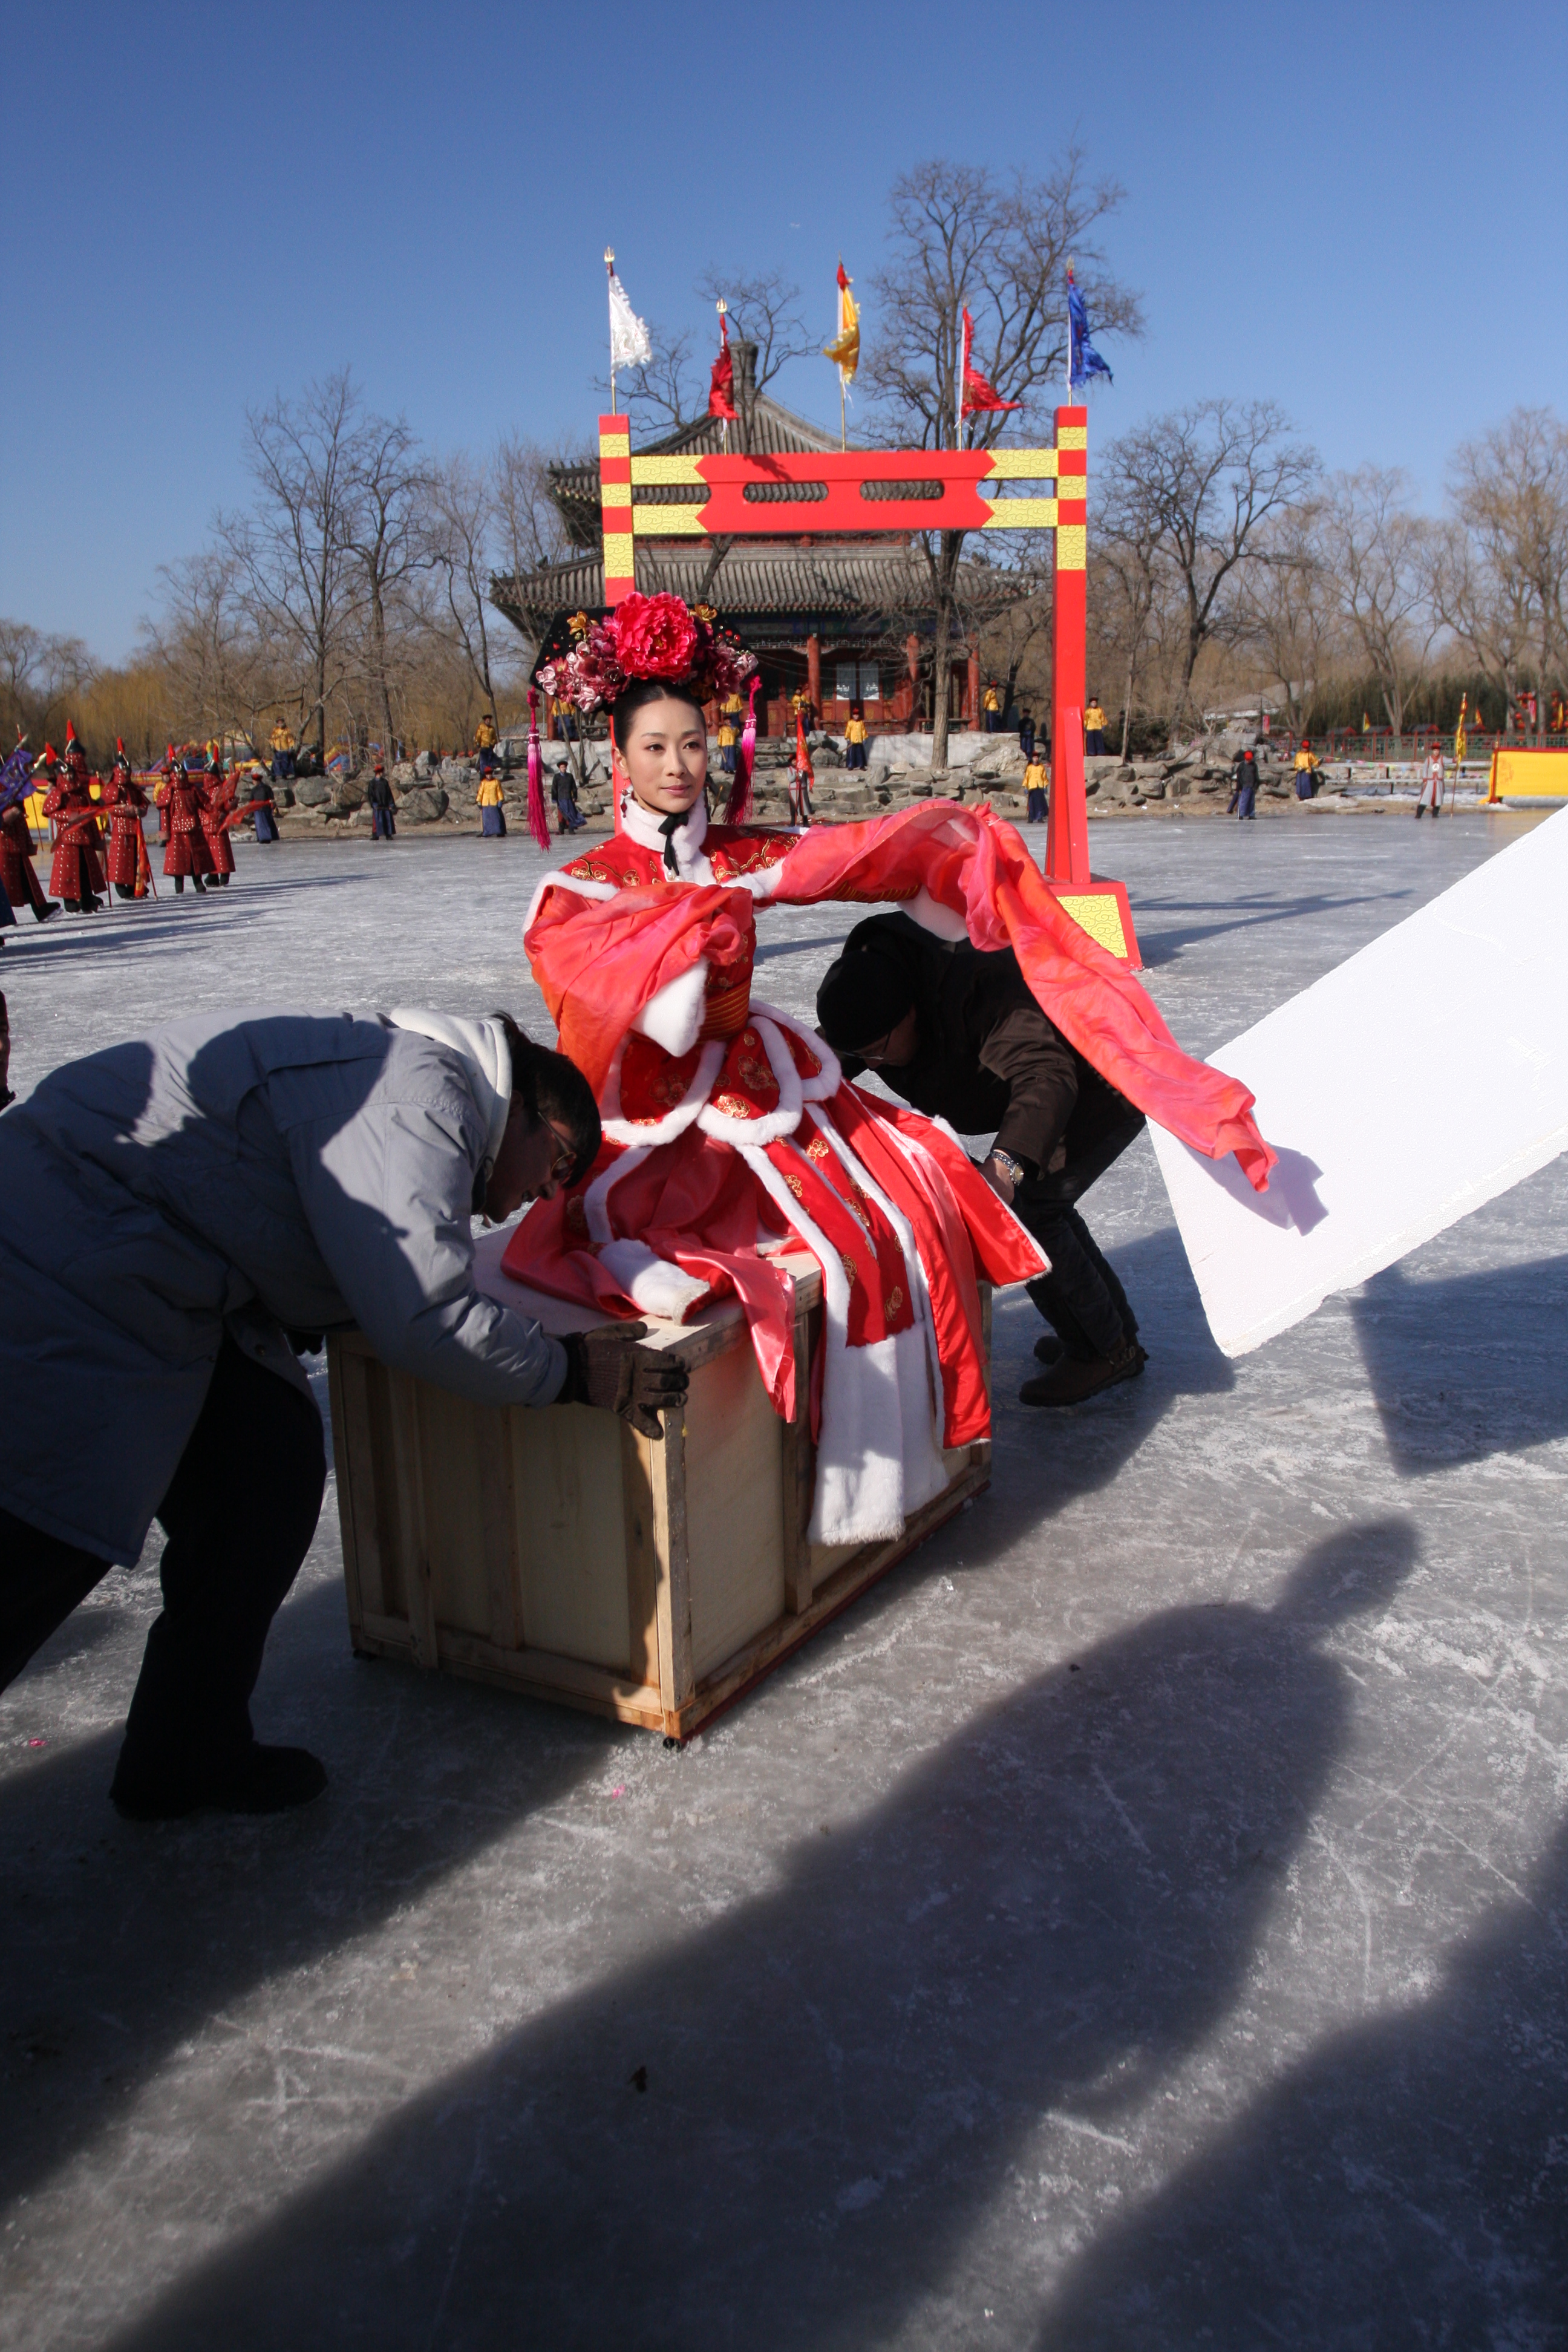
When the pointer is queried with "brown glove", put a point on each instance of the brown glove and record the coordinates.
(604, 1368)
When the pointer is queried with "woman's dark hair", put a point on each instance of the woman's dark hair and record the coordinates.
(644, 690)
(550, 1087)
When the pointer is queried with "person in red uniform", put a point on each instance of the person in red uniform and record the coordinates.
(76, 877)
(181, 800)
(17, 874)
(127, 805)
(218, 802)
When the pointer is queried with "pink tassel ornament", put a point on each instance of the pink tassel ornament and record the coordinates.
(738, 809)
(538, 825)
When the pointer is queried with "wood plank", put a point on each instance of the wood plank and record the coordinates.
(734, 1526)
(345, 1480)
(569, 1516)
(638, 1471)
(538, 1673)
(677, 1681)
(871, 1562)
(409, 1483)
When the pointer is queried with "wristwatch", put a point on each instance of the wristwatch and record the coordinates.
(1011, 1167)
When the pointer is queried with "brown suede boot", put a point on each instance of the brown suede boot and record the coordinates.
(1071, 1380)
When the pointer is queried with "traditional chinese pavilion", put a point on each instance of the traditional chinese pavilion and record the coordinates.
(848, 620)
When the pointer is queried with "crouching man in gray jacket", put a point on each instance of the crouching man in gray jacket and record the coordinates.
(176, 1215)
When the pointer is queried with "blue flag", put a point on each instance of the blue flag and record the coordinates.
(1084, 360)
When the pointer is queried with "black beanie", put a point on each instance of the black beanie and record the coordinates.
(862, 997)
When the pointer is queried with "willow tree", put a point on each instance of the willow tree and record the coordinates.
(961, 238)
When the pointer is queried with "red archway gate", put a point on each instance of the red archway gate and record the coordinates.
(804, 495)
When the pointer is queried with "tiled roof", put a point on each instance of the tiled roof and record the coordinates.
(883, 585)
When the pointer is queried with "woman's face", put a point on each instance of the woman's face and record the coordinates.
(666, 756)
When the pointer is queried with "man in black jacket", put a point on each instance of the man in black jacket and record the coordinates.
(957, 1033)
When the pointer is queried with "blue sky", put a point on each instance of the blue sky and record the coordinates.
(1358, 211)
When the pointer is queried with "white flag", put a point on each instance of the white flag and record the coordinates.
(629, 344)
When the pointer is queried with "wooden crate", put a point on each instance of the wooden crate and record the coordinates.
(559, 1553)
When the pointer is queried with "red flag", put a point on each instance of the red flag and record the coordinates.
(721, 396)
(977, 392)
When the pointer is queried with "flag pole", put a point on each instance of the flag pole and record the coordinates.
(609, 273)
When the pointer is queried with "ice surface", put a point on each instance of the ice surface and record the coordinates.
(1137, 1924)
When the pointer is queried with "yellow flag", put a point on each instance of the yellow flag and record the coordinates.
(845, 348)
(1459, 729)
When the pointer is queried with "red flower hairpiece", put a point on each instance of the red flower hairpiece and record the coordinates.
(648, 638)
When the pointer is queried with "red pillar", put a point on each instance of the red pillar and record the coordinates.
(1067, 835)
(813, 676)
(972, 694)
(912, 657)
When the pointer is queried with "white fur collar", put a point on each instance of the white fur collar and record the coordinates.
(643, 826)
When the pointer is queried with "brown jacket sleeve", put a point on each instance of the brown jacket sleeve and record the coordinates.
(1032, 1057)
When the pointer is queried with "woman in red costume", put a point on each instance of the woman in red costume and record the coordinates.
(181, 802)
(729, 1132)
(127, 805)
(218, 805)
(76, 876)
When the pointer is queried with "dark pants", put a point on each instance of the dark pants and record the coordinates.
(1080, 1298)
(1246, 794)
(282, 767)
(1040, 805)
(1094, 743)
(993, 721)
(854, 755)
(382, 824)
(239, 1515)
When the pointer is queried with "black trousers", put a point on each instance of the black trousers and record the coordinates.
(240, 1512)
(1080, 1298)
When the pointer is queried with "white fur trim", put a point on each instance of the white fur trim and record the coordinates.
(595, 1199)
(641, 825)
(673, 1016)
(578, 882)
(651, 1282)
(820, 1089)
(675, 1122)
(774, 1124)
(933, 1173)
(922, 1428)
(486, 1057)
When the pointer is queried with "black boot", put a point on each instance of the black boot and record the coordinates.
(1072, 1379)
(264, 1780)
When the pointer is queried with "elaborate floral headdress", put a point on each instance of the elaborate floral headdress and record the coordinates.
(648, 637)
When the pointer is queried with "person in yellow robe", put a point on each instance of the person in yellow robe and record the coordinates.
(492, 815)
(1037, 785)
(855, 739)
(1093, 730)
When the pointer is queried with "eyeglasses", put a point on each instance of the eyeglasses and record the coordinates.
(563, 1166)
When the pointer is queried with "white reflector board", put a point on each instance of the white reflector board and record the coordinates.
(1407, 1087)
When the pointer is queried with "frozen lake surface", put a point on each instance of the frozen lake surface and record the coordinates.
(1141, 1921)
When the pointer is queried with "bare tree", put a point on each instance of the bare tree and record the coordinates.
(1209, 477)
(463, 521)
(385, 533)
(1129, 573)
(40, 674)
(294, 549)
(765, 311)
(215, 670)
(1289, 608)
(960, 238)
(1377, 554)
(667, 390)
(528, 529)
(1499, 578)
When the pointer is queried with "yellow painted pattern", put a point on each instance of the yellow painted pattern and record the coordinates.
(619, 563)
(615, 445)
(1101, 916)
(1073, 437)
(1022, 465)
(665, 469)
(1525, 774)
(669, 522)
(1072, 547)
(615, 494)
(1021, 514)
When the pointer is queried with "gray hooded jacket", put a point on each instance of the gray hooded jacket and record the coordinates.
(264, 1173)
